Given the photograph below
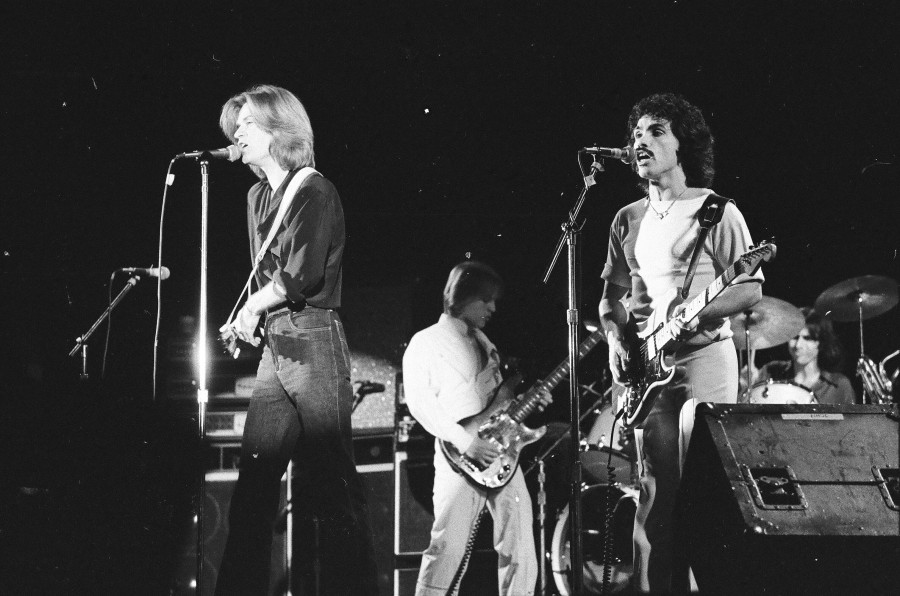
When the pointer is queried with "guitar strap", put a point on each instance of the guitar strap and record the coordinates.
(289, 193)
(709, 215)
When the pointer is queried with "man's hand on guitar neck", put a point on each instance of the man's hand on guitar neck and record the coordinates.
(683, 329)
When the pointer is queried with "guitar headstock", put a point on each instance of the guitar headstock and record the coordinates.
(751, 260)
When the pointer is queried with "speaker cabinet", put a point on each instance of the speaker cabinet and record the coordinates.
(413, 513)
(219, 487)
(378, 482)
(413, 518)
(792, 500)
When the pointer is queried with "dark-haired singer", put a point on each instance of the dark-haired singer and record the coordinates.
(451, 371)
(300, 407)
(650, 245)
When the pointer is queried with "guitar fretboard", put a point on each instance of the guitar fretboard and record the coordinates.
(522, 409)
(665, 335)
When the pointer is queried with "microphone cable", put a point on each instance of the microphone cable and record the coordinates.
(170, 178)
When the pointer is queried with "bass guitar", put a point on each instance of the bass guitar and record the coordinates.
(502, 423)
(648, 369)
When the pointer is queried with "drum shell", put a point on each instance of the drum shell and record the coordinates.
(618, 452)
(594, 505)
(780, 392)
(594, 462)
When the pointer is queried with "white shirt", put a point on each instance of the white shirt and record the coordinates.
(442, 379)
(650, 255)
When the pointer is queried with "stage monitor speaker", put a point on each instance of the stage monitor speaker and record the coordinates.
(219, 487)
(792, 500)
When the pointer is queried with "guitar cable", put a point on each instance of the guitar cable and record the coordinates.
(606, 550)
(470, 546)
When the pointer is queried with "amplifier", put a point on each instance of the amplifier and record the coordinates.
(218, 489)
(413, 513)
(227, 424)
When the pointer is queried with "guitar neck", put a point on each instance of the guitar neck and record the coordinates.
(519, 411)
(666, 334)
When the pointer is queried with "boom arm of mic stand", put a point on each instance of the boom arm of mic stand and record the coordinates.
(589, 181)
(81, 341)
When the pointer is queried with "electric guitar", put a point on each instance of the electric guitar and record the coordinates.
(648, 370)
(502, 424)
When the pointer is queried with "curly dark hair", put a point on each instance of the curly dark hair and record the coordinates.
(831, 353)
(695, 151)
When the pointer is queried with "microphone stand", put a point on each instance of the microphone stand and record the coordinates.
(571, 229)
(748, 353)
(81, 342)
(202, 356)
(539, 463)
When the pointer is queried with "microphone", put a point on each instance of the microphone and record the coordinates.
(231, 153)
(365, 388)
(370, 387)
(160, 272)
(626, 154)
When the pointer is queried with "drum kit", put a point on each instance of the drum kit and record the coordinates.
(772, 322)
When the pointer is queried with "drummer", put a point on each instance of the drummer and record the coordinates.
(816, 358)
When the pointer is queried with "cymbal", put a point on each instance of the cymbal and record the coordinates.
(771, 321)
(841, 302)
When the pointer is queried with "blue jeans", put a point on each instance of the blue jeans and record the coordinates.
(300, 409)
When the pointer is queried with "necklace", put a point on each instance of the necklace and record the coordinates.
(662, 214)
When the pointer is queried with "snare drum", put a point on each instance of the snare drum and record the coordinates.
(781, 392)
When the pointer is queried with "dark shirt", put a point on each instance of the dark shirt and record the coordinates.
(305, 257)
(831, 388)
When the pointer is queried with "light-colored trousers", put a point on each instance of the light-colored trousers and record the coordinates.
(457, 504)
(707, 374)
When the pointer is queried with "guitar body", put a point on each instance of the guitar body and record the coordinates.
(645, 377)
(501, 423)
(648, 368)
(503, 431)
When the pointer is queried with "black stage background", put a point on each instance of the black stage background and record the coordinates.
(448, 128)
